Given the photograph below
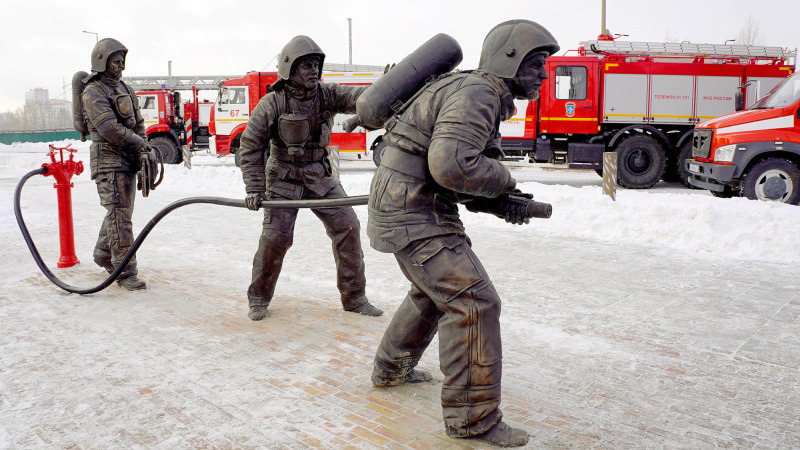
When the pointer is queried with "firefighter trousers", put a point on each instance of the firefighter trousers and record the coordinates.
(450, 293)
(341, 225)
(117, 192)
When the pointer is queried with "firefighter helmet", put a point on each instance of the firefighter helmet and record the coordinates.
(297, 48)
(102, 50)
(508, 43)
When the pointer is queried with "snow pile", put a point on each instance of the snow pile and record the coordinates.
(690, 222)
(699, 224)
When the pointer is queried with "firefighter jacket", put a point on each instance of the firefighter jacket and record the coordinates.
(115, 124)
(444, 147)
(266, 161)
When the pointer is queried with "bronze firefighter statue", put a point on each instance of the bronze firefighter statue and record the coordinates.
(284, 156)
(109, 112)
(443, 148)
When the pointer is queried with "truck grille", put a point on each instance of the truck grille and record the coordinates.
(701, 143)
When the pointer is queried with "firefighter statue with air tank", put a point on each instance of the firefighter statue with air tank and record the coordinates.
(442, 147)
(105, 108)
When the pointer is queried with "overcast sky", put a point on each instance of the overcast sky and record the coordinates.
(43, 43)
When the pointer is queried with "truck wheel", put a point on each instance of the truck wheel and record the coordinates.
(775, 180)
(727, 193)
(237, 159)
(167, 149)
(684, 154)
(640, 162)
(671, 167)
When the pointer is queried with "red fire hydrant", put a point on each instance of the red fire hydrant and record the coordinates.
(62, 171)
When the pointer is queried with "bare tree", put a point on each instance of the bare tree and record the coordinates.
(750, 34)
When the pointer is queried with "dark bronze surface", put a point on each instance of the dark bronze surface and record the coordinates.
(438, 55)
(113, 119)
(441, 149)
(292, 127)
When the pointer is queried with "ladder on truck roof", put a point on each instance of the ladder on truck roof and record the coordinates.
(687, 50)
(212, 82)
(332, 67)
(202, 82)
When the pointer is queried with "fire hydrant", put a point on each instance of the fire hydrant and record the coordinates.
(62, 171)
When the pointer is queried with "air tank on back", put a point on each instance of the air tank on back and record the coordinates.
(78, 119)
(439, 55)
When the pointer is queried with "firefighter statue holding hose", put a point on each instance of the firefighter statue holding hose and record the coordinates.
(284, 156)
(442, 147)
(108, 110)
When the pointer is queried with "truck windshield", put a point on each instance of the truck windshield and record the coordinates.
(231, 96)
(784, 94)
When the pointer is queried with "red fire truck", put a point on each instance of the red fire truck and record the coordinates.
(171, 126)
(753, 153)
(239, 96)
(639, 99)
(198, 117)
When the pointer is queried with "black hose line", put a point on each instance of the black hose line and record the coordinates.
(313, 203)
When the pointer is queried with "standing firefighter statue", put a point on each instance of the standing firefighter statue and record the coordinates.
(107, 110)
(284, 156)
(443, 148)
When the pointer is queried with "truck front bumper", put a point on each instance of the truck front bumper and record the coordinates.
(713, 177)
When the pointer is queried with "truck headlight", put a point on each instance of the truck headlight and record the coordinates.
(724, 153)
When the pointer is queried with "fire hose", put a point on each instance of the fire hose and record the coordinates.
(148, 168)
(524, 208)
(313, 203)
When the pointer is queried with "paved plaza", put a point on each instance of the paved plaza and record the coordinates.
(605, 345)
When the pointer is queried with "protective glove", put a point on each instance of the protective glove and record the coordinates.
(151, 168)
(388, 68)
(146, 148)
(253, 199)
(514, 212)
(518, 193)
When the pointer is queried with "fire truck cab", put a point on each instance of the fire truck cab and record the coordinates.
(172, 126)
(163, 122)
(753, 153)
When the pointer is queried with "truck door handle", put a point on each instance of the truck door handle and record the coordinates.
(586, 107)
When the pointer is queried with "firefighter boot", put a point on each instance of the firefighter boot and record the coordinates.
(359, 304)
(381, 379)
(257, 312)
(502, 435)
(367, 309)
(132, 283)
(104, 263)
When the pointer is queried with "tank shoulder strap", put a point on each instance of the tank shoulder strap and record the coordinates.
(420, 137)
(325, 101)
(400, 109)
(132, 93)
(281, 102)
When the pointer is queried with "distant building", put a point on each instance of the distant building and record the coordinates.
(41, 113)
(37, 96)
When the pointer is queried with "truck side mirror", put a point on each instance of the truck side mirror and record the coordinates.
(738, 99)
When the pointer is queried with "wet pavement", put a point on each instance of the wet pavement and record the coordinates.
(605, 346)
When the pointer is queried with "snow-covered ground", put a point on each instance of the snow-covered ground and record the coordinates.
(594, 298)
(669, 218)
